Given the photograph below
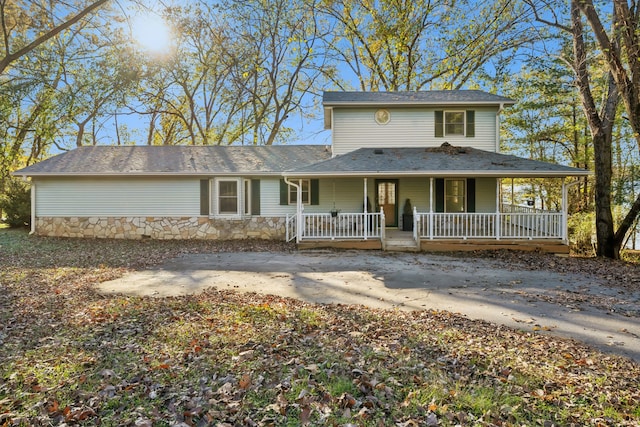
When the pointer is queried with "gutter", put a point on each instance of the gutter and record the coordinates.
(443, 173)
(500, 108)
(146, 174)
(343, 104)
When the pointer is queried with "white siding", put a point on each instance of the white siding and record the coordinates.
(348, 195)
(270, 199)
(409, 127)
(415, 189)
(485, 195)
(84, 197)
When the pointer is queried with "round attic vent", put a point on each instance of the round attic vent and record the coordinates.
(382, 117)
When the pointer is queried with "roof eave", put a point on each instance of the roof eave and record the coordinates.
(328, 104)
(147, 174)
(440, 173)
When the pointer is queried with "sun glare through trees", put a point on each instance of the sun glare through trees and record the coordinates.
(152, 34)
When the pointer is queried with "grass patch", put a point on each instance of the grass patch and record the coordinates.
(70, 355)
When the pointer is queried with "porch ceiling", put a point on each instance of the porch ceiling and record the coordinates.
(441, 161)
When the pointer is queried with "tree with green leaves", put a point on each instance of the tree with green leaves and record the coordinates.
(279, 63)
(617, 42)
(416, 45)
(19, 19)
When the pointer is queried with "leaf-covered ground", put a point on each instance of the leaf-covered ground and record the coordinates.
(69, 355)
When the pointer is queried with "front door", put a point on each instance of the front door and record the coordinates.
(387, 199)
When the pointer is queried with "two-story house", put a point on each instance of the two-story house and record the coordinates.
(412, 170)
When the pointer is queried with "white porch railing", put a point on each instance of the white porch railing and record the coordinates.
(540, 225)
(290, 227)
(351, 226)
(509, 208)
(360, 226)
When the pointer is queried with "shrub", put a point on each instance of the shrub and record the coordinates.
(581, 231)
(15, 203)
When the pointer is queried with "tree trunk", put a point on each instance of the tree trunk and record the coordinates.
(601, 126)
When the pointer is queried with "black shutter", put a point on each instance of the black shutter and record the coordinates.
(439, 195)
(471, 195)
(315, 191)
(439, 122)
(284, 193)
(471, 123)
(204, 197)
(255, 197)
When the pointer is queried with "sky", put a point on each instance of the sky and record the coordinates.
(154, 38)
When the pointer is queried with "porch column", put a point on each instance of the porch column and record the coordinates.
(299, 209)
(431, 181)
(513, 202)
(498, 200)
(565, 211)
(365, 224)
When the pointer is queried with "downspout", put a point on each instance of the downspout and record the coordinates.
(498, 127)
(298, 208)
(33, 207)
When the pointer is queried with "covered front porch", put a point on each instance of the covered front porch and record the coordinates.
(509, 226)
(432, 231)
(424, 199)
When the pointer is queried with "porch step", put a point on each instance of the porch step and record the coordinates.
(400, 245)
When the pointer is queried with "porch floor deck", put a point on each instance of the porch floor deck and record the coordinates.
(398, 240)
(542, 245)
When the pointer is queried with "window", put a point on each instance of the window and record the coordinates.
(454, 195)
(306, 192)
(454, 123)
(228, 197)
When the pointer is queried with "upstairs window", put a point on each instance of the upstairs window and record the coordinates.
(455, 123)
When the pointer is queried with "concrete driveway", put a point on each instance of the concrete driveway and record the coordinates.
(567, 305)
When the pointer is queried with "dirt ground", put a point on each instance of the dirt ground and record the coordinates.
(542, 298)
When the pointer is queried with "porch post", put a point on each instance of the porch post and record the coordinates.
(431, 208)
(512, 195)
(382, 227)
(498, 218)
(565, 211)
(365, 224)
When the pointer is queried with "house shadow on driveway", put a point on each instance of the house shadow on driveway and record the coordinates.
(543, 301)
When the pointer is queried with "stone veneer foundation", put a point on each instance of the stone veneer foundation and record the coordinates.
(162, 227)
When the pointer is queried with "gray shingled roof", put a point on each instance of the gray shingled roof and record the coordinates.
(292, 160)
(432, 97)
(178, 160)
(440, 161)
